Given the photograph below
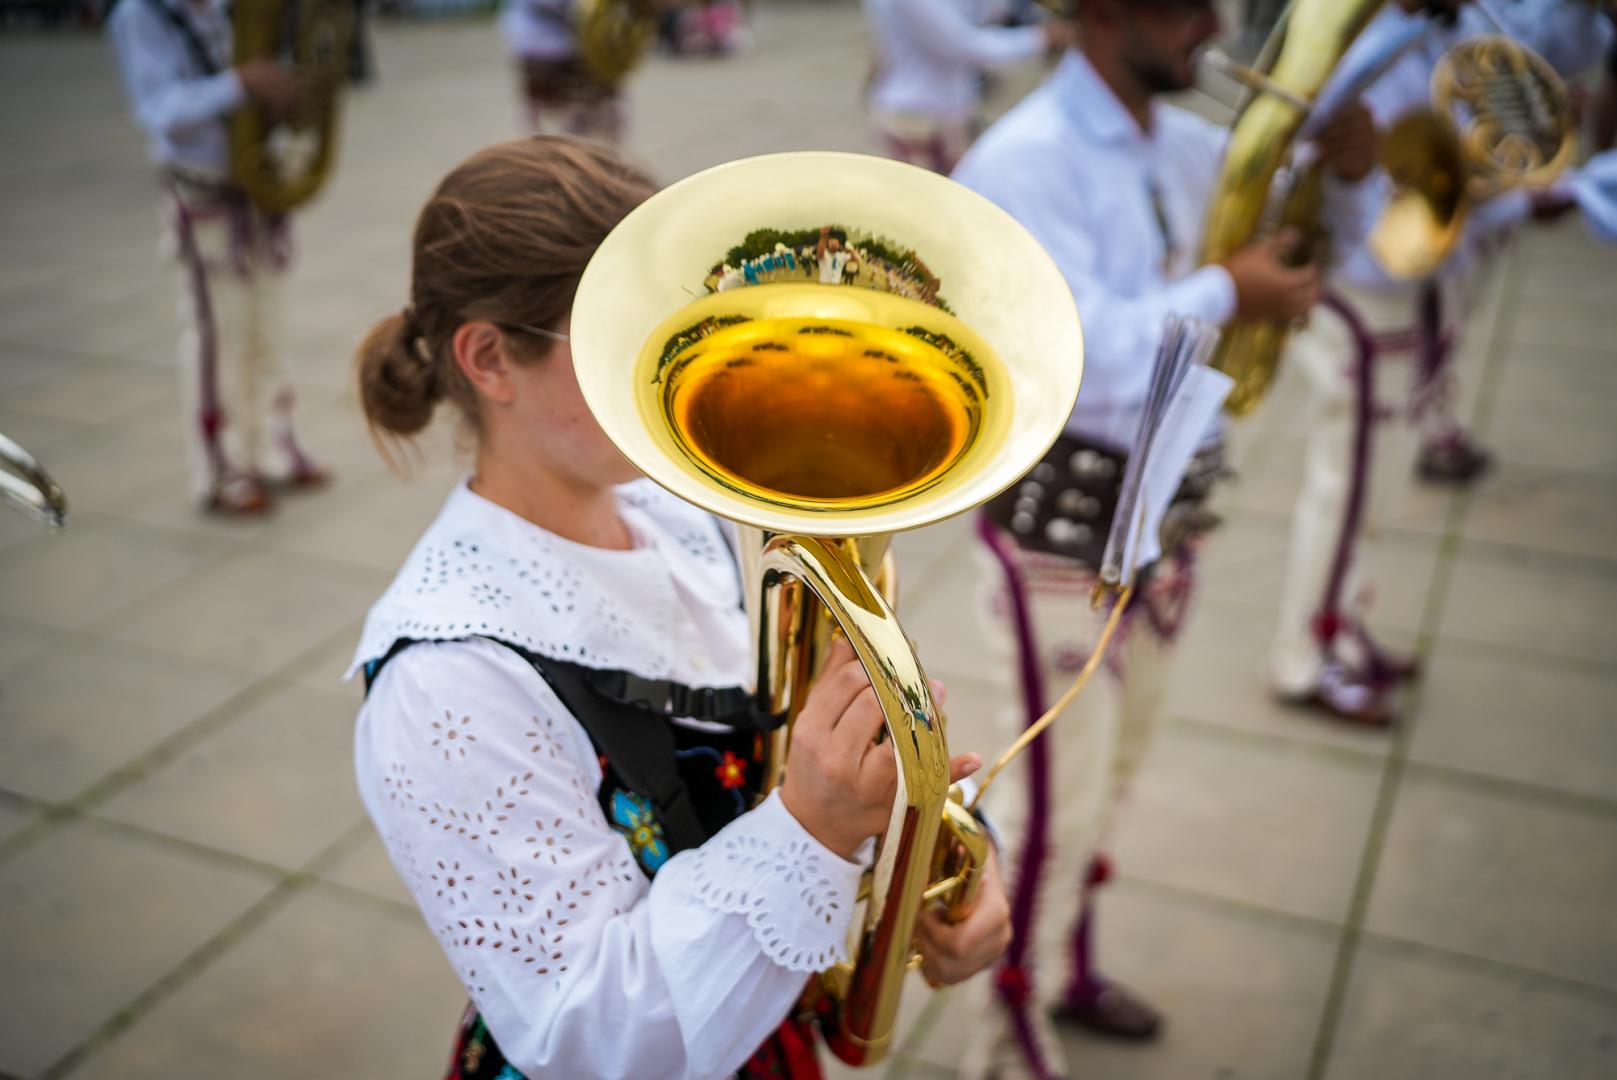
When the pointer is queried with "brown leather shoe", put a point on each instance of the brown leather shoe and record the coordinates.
(238, 495)
(1110, 1010)
(1454, 459)
(1349, 696)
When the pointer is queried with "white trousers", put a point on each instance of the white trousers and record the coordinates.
(1327, 354)
(235, 384)
(1052, 807)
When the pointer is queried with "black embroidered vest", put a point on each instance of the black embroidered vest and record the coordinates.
(665, 786)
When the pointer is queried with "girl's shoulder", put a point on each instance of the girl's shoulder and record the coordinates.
(481, 571)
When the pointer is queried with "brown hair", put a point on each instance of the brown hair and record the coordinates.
(505, 239)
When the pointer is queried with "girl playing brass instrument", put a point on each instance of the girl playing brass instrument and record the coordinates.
(552, 746)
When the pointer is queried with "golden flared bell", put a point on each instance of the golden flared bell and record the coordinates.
(826, 344)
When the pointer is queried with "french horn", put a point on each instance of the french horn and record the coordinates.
(281, 161)
(825, 349)
(1501, 119)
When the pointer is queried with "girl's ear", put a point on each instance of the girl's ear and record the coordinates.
(480, 353)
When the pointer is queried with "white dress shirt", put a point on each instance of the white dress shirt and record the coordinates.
(484, 789)
(181, 107)
(932, 53)
(1071, 164)
(1572, 35)
(538, 29)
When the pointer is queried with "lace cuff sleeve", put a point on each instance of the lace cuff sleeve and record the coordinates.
(796, 895)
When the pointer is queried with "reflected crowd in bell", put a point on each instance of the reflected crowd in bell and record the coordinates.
(978, 539)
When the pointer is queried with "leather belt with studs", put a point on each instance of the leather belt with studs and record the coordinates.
(1064, 506)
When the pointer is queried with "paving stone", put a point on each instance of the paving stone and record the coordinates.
(14, 815)
(284, 604)
(1398, 566)
(106, 916)
(327, 985)
(276, 784)
(1545, 722)
(1413, 1013)
(1242, 993)
(19, 643)
(368, 868)
(1534, 602)
(375, 526)
(1220, 676)
(1277, 826)
(96, 569)
(1498, 876)
(91, 705)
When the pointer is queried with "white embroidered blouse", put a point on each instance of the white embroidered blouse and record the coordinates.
(483, 787)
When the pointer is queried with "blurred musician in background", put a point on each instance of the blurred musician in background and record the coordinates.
(1115, 185)
(1322, 654)
(925, 89)
(561, 94)
(176, 58)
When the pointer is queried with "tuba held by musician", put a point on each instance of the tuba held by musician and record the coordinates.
(281, 160)
(826, 349)
(1305, 50)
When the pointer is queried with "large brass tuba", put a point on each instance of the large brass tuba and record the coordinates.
(613, 35)
(1501, 119)
(1307, 47)
(871, 348)
(281, 161)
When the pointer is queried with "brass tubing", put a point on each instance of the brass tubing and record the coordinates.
(828, 569)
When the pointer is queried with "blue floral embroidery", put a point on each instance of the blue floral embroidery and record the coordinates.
(509, 1073)
(633, 817)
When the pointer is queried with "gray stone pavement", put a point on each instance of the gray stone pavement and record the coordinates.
(188, 886)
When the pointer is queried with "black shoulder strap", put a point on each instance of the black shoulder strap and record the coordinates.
(188, 33)
(626, 717)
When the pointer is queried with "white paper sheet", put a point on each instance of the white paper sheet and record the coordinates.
(1200, 395)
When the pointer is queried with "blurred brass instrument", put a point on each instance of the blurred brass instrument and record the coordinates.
(754, 343)
(613, 35)
(25, 483)
(1307, 47)
(1501, 119)
(282, 160)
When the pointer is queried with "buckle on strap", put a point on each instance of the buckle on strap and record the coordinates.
(673, 699)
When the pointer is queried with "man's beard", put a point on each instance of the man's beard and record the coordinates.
(1159, 78)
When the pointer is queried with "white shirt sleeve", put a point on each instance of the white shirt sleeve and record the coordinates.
(1114, 325)
(943, 30)
(168, 97)
(484, 788)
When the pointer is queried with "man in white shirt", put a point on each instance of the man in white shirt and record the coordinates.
(176, 61)
(925, 91)
(1114, 185)
(1377, 363)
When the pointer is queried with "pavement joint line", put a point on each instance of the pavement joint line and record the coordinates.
(1519, 790)
(1247, 909)
(200, 959)
(165, 750)
(1227, 732)
(1461, 958)
(1581, 664)
(1261, 914)
(1431, 620)
(1471, 779)
(1450, 637)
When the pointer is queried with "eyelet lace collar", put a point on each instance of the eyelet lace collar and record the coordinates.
(481, 571)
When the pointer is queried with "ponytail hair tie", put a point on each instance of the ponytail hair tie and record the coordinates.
(414, 339)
